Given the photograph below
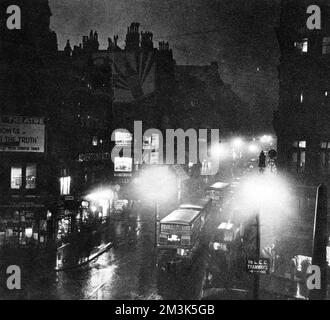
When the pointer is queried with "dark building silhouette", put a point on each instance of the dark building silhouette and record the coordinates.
(28, 180)
(302, 119)
(59, 108)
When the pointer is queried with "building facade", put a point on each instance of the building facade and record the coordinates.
(301, 122)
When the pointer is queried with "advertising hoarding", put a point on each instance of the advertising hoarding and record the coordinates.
(22, 134)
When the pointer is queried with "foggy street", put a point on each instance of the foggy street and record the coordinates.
(165, 150)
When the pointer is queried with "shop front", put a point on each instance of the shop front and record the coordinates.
(76, 214)
(25, 225)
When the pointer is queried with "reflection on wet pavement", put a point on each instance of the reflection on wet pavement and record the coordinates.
(126, 271)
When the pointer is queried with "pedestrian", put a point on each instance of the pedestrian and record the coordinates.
(293, 267)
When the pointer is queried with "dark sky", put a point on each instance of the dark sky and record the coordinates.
(239, 34)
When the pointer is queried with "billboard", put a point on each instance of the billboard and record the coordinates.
(133, 73)
(22, 134)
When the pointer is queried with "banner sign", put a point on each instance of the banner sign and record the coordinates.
(22, 134)
(134, 74)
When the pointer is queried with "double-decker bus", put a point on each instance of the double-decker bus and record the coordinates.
(203, 205)
(179, 235)
(219, 193)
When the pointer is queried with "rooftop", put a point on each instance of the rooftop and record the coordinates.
(181, 216)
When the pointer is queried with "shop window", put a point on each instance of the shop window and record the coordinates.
(16, 177)
(65, 185)
(31, 176)
(326, 45)
(302, 46)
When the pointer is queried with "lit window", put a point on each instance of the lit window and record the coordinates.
(326, 93)
(324, 145)
(302, 46)
(95, 141)
(299, 144)
(302, 97)
(31, 176)
(65, 185)
(326, 45)
(16, 178)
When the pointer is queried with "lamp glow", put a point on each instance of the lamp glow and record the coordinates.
(253, 148)
(264, 191)
(237, 142)
(156, 183)
(100, 195)
(266, 139)
(219, 151)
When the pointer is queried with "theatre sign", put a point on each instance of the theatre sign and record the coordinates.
(22, 134)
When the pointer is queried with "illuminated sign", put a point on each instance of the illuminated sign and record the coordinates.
(123, 164)
(123, 138)
(86, 157)
(174, 238)
(22, 134)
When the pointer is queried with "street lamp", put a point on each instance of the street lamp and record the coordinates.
(261, 194)
(238, 142)
(253, 148)
(156, 184)
(266, 139)
(219, 151)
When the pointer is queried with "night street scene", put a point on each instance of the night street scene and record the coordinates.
(164, 150)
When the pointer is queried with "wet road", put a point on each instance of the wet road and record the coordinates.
(127, 271)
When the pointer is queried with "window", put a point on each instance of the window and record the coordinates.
(325, 157)
(23, 176)
(16, 177)
(326, 45)
(65, 185)
(302, 46)
(31, 176)
(299, 156)
(95, 141)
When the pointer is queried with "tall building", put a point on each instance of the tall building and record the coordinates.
(302, 119)
(28, 181)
